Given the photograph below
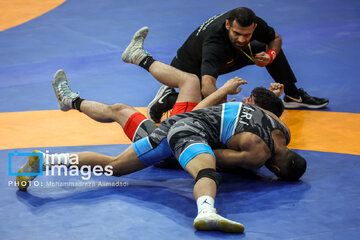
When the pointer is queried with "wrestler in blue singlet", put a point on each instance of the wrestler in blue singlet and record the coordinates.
(189, 134)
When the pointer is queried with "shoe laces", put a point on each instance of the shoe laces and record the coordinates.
(65, 90)
(303, 93)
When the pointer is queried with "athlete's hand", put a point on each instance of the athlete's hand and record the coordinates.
(231, 87)
(277, 88)
(262, 59)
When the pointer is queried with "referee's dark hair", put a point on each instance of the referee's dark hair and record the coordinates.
(243, 16)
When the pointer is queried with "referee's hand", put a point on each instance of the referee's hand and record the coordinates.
(262, 59)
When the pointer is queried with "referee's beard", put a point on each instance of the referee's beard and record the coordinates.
(236, 45)
(242, 47)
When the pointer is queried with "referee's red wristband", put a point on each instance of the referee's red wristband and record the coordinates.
(272, 54)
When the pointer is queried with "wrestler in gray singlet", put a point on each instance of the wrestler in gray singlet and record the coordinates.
(188, 134)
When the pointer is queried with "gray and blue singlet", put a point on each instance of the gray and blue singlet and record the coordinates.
(189, 134)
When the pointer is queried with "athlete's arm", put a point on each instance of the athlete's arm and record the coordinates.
(228, 158)
(231, 87)
(245, 150)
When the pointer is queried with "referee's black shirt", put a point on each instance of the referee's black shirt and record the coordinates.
(208, 50)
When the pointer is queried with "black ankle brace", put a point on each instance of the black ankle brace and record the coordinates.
(146, 62)
(76, 103)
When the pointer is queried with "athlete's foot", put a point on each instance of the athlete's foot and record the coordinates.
(63, 92)
(31, 166)
(209, 220)
(305, 101)
(135, 53)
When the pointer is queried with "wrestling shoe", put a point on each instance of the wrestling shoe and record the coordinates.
(305, 101)
(63, 92)
(208, 220)
(135, 53)
(31, 166)
(161, 103)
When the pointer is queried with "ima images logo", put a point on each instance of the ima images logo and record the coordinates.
(60, 164)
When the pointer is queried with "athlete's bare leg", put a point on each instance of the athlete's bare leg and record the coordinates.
(204, 193)
(188, 84)
(98, 111)
(104, 113)
(125, 163)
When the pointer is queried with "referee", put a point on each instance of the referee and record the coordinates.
(228, 42)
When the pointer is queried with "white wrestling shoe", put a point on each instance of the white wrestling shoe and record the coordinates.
(63, 92)
(208, 220)
(135, 53)
(31, 166)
